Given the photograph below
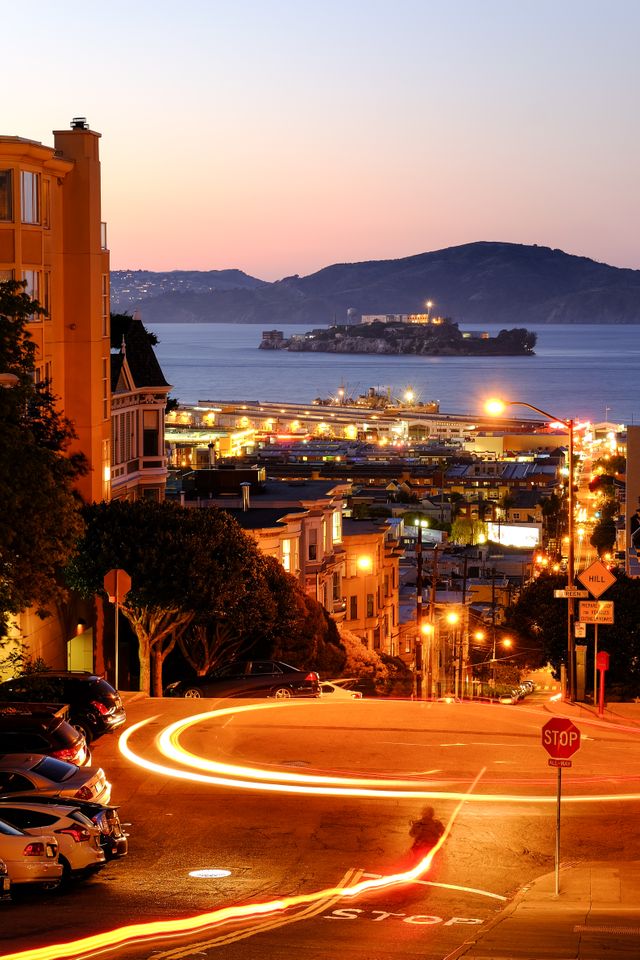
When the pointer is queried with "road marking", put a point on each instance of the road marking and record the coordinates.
(628, 931)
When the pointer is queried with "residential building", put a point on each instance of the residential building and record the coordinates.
(371, 583)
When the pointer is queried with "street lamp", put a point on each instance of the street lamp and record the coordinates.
(429, 304)
(497, 407)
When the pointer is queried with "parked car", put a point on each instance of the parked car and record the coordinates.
(333, 691)
(113, 838)
(39, 728)
(79, 849)
(29, 862)
(363, 685)
(94, 706)
(24, 773)
(250, 678)
(5, 882)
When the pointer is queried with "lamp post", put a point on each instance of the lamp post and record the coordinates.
(497, 407)
(452, 620)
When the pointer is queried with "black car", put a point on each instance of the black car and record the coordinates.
(250, 678)
(94, 706)
(38, 728)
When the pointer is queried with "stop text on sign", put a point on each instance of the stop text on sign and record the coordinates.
(561, 739)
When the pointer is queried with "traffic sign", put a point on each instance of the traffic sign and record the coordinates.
(560, 738)
(596, 611)
(580, 629)
(597, 578)
(571, 593)
(559, 763)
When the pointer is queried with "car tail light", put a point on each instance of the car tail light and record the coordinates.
(74, 755)
(35, 849)
(100, 707)
(79, 834)
(313, 677)
(84, 793)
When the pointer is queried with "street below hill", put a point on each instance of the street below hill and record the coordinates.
(302, 798)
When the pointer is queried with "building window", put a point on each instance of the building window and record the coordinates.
(336, 526)
(370, 605)
(353, 608)
(313, 544)
(46, 293)
(6, 275)
(105, 304)
(30, 196)
(6, 195)
(150, 433)
(105, 387)
(335, 580)
(286, 555)
(46, 203)
(32, 289)
(103, 236)
(386, 584)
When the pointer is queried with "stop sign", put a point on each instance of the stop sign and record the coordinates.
(560, 738)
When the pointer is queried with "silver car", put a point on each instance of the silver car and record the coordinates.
(22, 773)
(29, 861)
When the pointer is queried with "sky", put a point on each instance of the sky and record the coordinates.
(280, 136)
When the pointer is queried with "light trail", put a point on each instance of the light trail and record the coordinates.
(138, 933)
(255, 778)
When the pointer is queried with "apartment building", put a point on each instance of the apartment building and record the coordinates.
(52, 236)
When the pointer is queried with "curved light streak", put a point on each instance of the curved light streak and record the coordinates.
(155, 929)
(254, 778)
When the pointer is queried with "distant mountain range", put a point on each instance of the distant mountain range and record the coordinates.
(506, 283)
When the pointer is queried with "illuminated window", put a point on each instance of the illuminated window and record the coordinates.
(286, 555)
(30, 196)
(6, 275)
(105, 387)
(336, 521)
(6, 195)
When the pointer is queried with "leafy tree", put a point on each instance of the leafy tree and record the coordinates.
(467, 531)
(40, 517)
(539, 619)
(182, 562)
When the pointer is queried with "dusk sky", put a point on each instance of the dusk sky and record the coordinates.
(279, 136)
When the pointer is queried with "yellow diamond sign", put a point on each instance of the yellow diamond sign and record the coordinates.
(597, 578)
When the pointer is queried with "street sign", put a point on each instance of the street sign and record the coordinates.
(117, 584)
(560, 738)
(559, 763)
(597, 578)
(596, 611)
(580, 629)
(571, 593)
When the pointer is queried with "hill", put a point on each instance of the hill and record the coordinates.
(506, 283)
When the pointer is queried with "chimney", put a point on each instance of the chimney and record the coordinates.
(246, 488)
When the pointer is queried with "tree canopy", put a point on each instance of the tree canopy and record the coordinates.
(40, 516)
(198, 580)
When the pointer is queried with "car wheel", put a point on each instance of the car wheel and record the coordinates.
(282, 693)
(193, 693)
(84, 729)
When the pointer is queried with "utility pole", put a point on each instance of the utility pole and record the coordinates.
(432, 620)
(418, 657)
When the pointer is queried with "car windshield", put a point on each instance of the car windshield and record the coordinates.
(56, 770)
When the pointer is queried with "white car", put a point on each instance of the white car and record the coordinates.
(334, 691)
(29, 861)
(80, 850)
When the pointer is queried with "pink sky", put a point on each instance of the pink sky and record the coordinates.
(280, 139)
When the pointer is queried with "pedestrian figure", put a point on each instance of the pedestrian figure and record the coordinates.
(426, 831)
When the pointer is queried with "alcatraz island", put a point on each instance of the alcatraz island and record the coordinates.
(418, 334)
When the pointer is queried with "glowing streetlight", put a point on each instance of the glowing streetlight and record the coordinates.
(428, 305)
(364, 563)
(495, 407)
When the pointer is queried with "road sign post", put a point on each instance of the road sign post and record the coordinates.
(602, 664)
(561, 739)
(117, 584)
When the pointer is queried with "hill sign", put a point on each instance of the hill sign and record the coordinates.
(597, 578)
(561, 739)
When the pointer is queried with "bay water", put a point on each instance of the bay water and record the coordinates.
(585, 371)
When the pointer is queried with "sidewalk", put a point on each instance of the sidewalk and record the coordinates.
(627, 714)
(595, 916)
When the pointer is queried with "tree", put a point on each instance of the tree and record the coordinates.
(40, 517)
(540, 620)
(182, 563)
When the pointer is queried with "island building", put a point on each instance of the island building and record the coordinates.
(107, 382)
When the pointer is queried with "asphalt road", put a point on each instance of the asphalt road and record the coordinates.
(277, 846)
